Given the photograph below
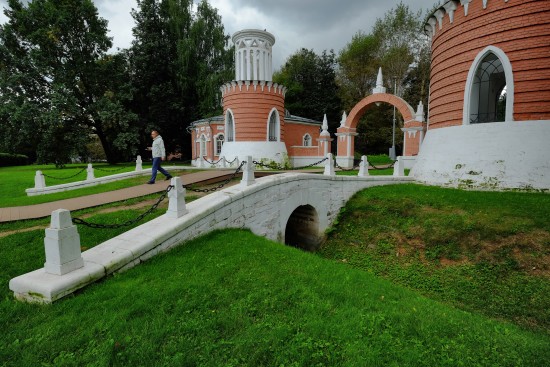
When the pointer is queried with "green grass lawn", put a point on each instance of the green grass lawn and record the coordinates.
(14, 181)
(487, 252)
(234, 299)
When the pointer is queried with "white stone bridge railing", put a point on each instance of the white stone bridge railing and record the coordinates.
(292, 208)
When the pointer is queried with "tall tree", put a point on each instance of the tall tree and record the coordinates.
(311, 86)
(180, 58)
(55, 68)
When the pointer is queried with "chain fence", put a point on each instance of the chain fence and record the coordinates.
(212, 162)
(64, 178)
(212, 189)
(128, 222)
(109, 170)
(281, 168)
(382, 168)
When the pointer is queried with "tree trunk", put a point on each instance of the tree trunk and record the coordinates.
(111, 158)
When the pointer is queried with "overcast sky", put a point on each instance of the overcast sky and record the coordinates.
(312, 24)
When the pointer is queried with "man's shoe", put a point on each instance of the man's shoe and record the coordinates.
(167, 178)
(150, 183)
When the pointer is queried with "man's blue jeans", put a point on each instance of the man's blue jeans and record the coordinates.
(157, 167)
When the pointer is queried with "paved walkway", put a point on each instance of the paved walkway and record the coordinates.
(45, 209)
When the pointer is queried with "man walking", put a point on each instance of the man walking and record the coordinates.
(159, 154)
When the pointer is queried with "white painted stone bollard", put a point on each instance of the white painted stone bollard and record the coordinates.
(399, 168)
(62, 244)
(329, 166)
(363, 167)
(39, 180)
(222, 162)
(90, 172)
(139, 163)
(176, 205)
(200, 162)
(248, 172)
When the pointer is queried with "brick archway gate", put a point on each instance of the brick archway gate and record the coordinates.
(347, 131)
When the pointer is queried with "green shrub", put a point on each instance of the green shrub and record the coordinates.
(8, 159)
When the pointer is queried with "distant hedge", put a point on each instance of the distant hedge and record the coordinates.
(8, 159)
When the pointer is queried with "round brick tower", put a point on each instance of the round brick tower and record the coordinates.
(253, 105)
(489, 107)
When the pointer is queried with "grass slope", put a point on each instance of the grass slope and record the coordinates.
(480, 251)
(234, 299)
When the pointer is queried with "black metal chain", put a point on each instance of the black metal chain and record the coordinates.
(110, 170)
(234, 159)
(345, 169)
(212, 189)
(280, 168)
(212, 162)
(382, 168)
(129, 222)
(64, 178)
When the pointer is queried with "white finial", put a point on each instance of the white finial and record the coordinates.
(325, 123)
(379, 83)
(344, 118)
(420, 112)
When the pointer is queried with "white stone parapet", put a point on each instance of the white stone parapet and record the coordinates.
(139, 163)
(399, 168)
(39, 180)
(363, 167)
(176, 195)
(90, 172)
(62, 244)
(329, 166)
(248, 173)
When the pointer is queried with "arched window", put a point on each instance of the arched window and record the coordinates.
(229, 126)
(307, 140)
(219, 143)
(273, 126)
(202, 152)
(489, 92)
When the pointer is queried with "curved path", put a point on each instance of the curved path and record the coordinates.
(45, 209)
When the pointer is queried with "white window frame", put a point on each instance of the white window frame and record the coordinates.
(508, 74)
(229, 130)
(309, 140)
(277, 125)
(216, 139)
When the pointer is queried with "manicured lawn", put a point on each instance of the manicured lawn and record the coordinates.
(234, 299)
(14, 181)
(487, 252)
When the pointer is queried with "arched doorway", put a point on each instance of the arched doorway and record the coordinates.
(302, 229)
(347, 131)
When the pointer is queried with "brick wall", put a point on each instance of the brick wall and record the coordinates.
(520, 28)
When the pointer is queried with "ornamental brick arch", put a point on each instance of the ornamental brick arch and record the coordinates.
(413, 123)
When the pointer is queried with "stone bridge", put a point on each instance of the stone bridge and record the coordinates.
(292, 208)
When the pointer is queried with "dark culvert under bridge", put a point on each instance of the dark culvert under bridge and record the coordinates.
(302, 229)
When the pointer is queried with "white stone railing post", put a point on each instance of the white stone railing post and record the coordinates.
(90, 172)
(62, 244)
(223, 165)
(329, 166)
(39, 180)
(139, 163)
(200, 162)
(399, 168)
(248, 173)
(363, 167)
(176, 205)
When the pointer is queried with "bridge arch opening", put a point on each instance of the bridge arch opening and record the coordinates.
(302, 229)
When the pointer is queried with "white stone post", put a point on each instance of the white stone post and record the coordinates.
(248, 172)
(62, 244)
(90, 172)
(329, 166)
(399, 167)
(176, 205)
(200, 162)
(139, 163)
(39, 181)
(363, 167)
(222, 162)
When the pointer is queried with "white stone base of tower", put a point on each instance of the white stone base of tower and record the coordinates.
(490, 156)
(258, 150)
